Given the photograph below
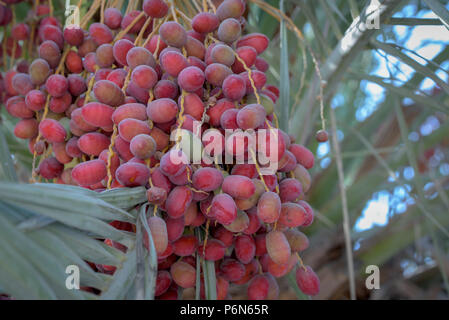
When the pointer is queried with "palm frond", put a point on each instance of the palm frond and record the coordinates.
(47, 227)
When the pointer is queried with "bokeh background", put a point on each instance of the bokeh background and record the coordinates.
(386, 102)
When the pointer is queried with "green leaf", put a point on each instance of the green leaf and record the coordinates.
(20, 279)
(307, 8)
(48, 265)
(6, 163)
(413, 162)
(151, 262)
(334, 25)
(17, 147)
(440, 10)
(335, 65)
(424, 100)
(198, 278)
(339, 13)
(84, 246)
(123, 198)
(210, 280)
(391, 50)
(56, 195)
(354, 9)
(198, 234)
(82, 212)
(284, 100)
(123, 278)
(88, 248)
(69, 189)
(36, 222)
(139, 281)
(67, 257)
(413, 22)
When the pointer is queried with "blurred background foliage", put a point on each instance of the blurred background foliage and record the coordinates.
(380, 184)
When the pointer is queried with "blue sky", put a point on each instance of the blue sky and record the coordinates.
(425, 41)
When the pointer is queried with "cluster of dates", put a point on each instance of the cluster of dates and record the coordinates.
(100, 106)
